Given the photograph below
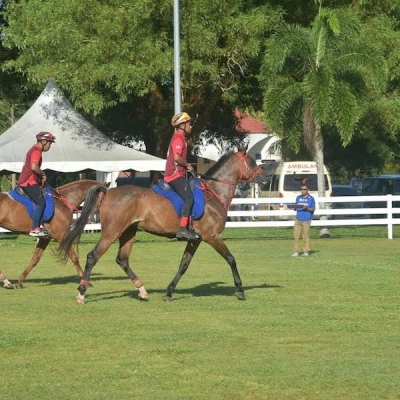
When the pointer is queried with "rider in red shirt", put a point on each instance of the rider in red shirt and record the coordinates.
(175, 172)
(32, 179)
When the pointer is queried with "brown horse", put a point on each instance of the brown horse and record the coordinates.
(14, 217)
(126, 209)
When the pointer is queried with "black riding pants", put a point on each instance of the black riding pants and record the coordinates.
(36, 195)
(181, 186)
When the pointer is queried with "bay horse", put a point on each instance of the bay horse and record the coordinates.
(126, 209)
(14, 217)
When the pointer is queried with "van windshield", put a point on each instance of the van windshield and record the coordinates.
(293, 182)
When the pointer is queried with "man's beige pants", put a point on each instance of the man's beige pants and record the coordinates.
(298, 228)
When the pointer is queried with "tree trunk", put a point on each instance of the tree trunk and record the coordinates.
(204, 114)
(315, 144)
(319, 159)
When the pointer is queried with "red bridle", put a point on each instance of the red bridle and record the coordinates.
(244, 166)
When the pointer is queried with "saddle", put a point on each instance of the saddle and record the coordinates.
(19, 195)
(18, 189)
(164, 189)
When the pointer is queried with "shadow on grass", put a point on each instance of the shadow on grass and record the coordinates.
(66, 280)
(197, 291)
(8, 236)
(204, 290)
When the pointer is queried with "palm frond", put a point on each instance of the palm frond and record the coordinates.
(318, 89)
(346, 112)
(279, 100)
(289, 42)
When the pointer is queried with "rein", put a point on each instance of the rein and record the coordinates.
(208, 188)
(70, 206)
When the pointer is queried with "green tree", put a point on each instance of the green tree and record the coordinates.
(319, 77)
(376, 136)
(15, 96)
(381, 124)
(117, 55)
(375, 144)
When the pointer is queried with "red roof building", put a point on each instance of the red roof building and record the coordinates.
(249, 124)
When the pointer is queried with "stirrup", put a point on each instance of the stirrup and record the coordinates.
(186, 234)
(39, 233)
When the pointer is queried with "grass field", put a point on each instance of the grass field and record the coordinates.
(322, 327)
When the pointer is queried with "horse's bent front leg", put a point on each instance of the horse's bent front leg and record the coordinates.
(188, 254)
(220, 247)
(37, 255)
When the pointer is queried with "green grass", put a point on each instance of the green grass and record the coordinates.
(324, 327)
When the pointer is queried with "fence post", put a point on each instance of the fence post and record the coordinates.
(389, 207)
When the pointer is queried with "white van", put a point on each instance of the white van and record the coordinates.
(286, 178)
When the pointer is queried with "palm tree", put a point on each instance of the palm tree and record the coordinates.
(320, 76)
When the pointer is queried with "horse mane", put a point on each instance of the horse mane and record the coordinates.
(66, 185)
(217, 166)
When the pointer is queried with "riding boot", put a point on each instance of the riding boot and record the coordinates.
(184, 233)
(187, 234)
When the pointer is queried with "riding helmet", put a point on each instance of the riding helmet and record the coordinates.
(180, 118)
(49, 137)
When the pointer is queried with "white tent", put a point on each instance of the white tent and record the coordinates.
(79, 145)
(261, 147)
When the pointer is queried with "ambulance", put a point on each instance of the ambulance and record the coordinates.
(286, 178)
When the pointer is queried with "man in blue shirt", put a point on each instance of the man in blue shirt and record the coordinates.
(305, 207)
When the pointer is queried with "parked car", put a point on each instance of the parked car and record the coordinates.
(381, 185)
(347, 190)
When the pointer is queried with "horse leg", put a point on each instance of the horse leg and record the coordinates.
(91, 260)
(218, 244)
(6, 283)
(37, 255)
(58, 235)
(75, 260)
(126, 242)
(188, 254)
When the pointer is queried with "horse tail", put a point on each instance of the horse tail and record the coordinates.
(74, 234)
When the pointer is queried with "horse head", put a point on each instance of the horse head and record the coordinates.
(249, 170)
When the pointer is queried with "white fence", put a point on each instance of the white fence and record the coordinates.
(368, 215)
(260, 215)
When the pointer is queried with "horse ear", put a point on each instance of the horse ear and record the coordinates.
(243, 150)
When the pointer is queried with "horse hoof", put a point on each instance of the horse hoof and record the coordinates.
(143, 298)
(9, 286)
(168, 299)
(16, 286)
(240, 295)
(80, 299)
